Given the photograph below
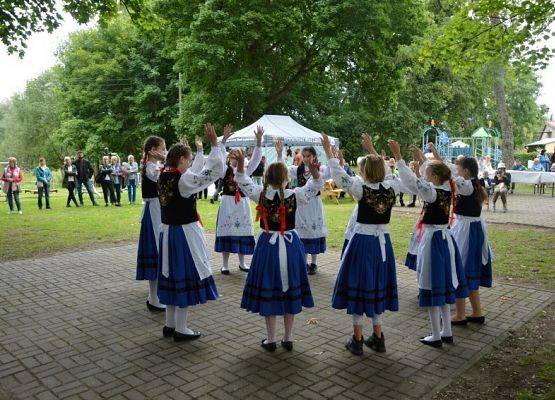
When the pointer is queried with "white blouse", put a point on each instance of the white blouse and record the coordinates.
(193, 181)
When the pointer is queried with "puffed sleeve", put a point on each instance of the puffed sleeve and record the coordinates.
(309, 191)
(152, 171)
(351, 184)
(414, 184)
(191, 182)
(198, 162)
(248, 187)
(254, 161)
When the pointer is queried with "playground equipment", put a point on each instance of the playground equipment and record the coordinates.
(482, 142)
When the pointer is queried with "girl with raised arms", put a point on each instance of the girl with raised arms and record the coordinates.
(367, 281)
(234, 231)
(277, 282)
(185, 277)
(440, 274)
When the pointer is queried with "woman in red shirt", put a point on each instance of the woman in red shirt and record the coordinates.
(11, 184)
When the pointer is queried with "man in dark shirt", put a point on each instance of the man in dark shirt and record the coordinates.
(84, 174)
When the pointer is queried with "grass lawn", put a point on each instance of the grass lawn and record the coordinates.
(522, 253)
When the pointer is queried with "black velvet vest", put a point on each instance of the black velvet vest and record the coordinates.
(148, 187)
(470, 206)
(176, 210)
(437, 213)
(230, 186)
(301, 180)
(375, 205)
(272, 212)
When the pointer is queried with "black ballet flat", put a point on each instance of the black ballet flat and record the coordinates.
(243, 269)
(476, 320)
(168, 332)
(355, 346)
(224, 271)
(312, 269)
(154, 308)
(287, 345)
(271, 347)
(433, 343)
(462, 322)
(447, 339)
(183, 337)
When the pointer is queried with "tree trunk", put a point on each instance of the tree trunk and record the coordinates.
(507, 139)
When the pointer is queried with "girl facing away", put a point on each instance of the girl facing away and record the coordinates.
(277, 282)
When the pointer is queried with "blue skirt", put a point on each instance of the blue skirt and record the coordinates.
(410, 261)
(314, 246)
(234, 244)
(345, 243)
(183, 287)
(365, 284)
(147, 253)
(477, 274)
(263, 292)
(443, 291)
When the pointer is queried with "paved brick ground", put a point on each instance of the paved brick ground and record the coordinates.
(75, 326)
(523, 209)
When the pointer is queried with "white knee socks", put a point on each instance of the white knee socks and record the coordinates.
(288, 320)
(313, 258)
(446, 321)
(377, 319)
(435, 324)
(241, 260)
(271, 328)
(153, 293)
(181, 321)
(358, 319)
(225, 261)
(170, 316)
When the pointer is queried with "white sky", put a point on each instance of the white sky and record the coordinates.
(15, 72)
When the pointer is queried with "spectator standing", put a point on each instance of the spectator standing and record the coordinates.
(84, 174)
(132, 169)
(11, 184)
(43, 176)
(544, 160)
(259, 172)
(117, 177)
(69, 181)
(104, 178)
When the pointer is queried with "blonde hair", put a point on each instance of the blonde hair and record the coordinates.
(105, 158)
(14, 161)
(373, 170)
(114, 158)
(66, 158)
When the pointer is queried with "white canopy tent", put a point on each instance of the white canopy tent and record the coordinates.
(459, 144)
(283, 127)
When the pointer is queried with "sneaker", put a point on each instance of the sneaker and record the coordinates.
(355, 346)
(376, 343)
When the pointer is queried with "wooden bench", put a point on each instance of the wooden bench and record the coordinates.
(329, 191)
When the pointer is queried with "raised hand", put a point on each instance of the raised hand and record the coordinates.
(326, 145)
(184, 141)
(278, 146)
(314, 168)
(395, 149)
(157, 155)
(367, 143)
(210, 134)
(341, 158)
(240, 158)
(259, 132)
(198, 143)
(228, 130)
(434, 151)
(417, 154)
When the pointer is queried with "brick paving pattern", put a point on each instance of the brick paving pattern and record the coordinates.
(75, 325)
(525, 209)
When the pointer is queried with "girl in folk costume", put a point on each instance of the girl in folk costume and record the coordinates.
(277, 282)
(367, 279)
(440, 273)
(154, 151)
(310, 221)
(469, 231)
(184, 273)
(234, 231)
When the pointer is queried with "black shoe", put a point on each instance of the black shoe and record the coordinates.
(402, 204)
(211, 201)
(434, 343)
(168, 332)
(312, 269)
(243, 269)
(183, 337)
(224, 271)
(476, 320)
(462, 322)
(118, 205)
(375, 343)
(49, 208)
(355, 346)
(83, 204)
(106, 205)
(76, 206)
(68, 205)
(411, 205)
(271, 347)
(447, 339)
(154, 308)
(94, 204)
(287, 345)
